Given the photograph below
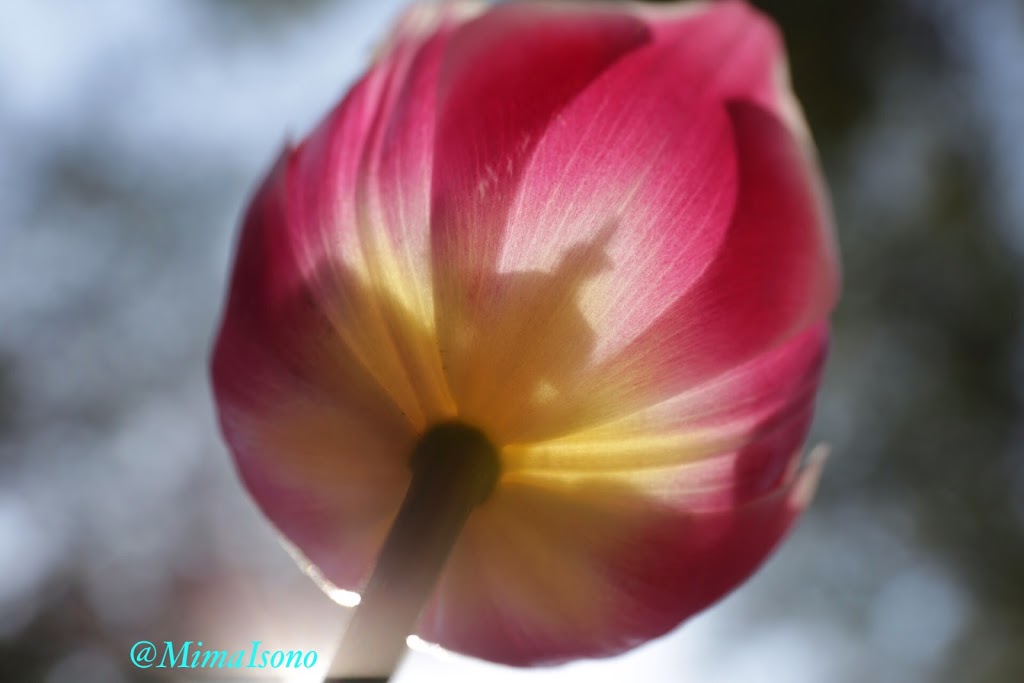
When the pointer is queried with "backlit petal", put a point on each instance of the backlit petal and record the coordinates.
(546, 56)
(774, 275)
(547, 573)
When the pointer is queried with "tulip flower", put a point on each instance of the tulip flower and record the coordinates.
(581, 250)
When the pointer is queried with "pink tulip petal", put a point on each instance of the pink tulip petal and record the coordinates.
(774, 275)
(754, 47)
(360, 220)
(686, 561)
(545, 55)
(729, 439)
(366, 169)
(317, 364)
(524, 584)
(285, 389)
(610, 251)
(549, 573)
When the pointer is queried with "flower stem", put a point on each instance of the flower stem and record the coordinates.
(454, 468)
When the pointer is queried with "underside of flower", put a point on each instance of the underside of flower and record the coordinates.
(588, 244)
(459, 447)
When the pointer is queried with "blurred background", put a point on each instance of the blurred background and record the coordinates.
(130, 136)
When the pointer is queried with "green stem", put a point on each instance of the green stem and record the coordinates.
(454, 469)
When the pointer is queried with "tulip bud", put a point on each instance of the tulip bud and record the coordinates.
(593, 235)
